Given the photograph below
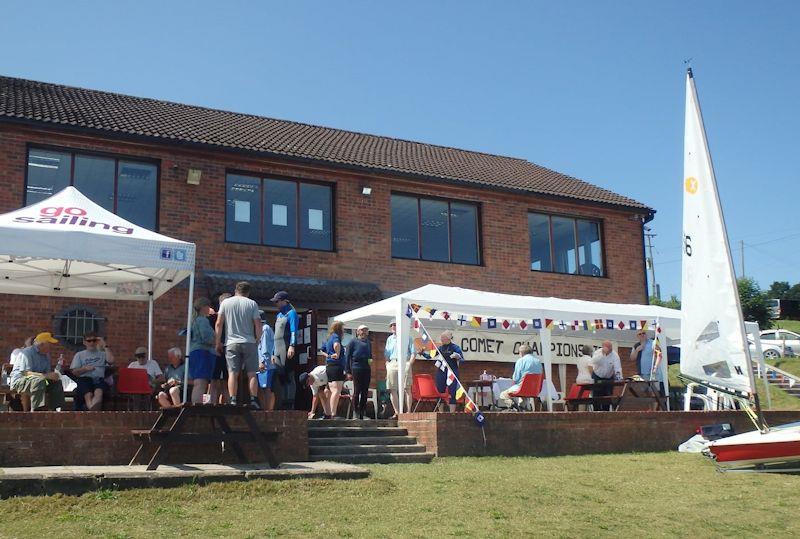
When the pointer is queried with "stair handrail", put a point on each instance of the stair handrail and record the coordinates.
(781, 372)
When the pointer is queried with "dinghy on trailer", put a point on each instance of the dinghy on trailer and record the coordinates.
(714, 347)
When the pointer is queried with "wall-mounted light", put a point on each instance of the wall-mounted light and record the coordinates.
(366, 190)
(194, 175)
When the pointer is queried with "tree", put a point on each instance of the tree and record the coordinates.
(793, 293)
(778, 290)
(755, 307)
(672, 303)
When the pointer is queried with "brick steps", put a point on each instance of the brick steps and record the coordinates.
(363, 442)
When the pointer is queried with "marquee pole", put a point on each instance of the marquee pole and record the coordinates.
(188, 337)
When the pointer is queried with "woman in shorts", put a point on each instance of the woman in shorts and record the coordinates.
(334, 362)
(201, 349)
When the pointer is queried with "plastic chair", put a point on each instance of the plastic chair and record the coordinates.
(577, 392)
(350, 387)
(423, 389)
(530, 387)
(134, 382)
(372, 397)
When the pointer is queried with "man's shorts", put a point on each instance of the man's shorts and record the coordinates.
(392, 368)
(88, 385)
(220, 368)
(242, 355)
(201, 364)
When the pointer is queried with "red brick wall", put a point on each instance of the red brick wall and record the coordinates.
(99, 438)
(569, 433)
(197, 213)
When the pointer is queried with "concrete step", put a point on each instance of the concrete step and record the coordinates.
(344, 432)
(363, 440)
(364, 449)
(377, 458)
(314, 423)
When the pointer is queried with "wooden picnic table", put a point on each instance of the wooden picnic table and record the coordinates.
(169, 430)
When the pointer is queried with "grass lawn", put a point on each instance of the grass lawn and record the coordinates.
(634, 495)
(791, 325)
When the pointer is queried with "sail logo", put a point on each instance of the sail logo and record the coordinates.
(691, 185)
(60, 215)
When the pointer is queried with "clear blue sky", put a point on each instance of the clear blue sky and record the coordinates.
(594, 89)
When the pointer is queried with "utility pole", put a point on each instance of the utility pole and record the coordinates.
(741, 246)
(651, 263)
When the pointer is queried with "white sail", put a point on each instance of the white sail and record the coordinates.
(713, 343)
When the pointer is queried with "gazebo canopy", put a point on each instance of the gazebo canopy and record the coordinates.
(69, 246)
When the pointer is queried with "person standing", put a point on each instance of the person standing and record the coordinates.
(642, 354)
(239, 315)
(33, 378)
(219, 378)
(287, 324)
(334, 363)
(266, 363)
(89, 366)
(201, 350)
(606, 368)
(526, 364)
(392, 354)
(453, 356)
(359, 366)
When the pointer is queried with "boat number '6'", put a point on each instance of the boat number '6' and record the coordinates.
(687, 245)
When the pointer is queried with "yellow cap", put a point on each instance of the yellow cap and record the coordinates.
(45, 337)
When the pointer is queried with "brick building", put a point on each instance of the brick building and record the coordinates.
(337, 218)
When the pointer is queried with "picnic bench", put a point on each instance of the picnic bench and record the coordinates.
(169, 429)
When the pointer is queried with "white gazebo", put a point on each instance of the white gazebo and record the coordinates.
(68, 246)
(506, 306)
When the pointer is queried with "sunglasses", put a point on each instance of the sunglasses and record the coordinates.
(140, 355)
(90, 340)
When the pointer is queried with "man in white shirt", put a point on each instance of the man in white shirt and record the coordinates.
(606, 368)
(316, 379)
(150, 365)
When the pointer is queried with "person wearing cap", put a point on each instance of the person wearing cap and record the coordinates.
(315, 380)
(150, 365)
(89, 366)
(266, 367)
(453, 356)
(33, 378)
(358, 364)
(287, 325)
(392, 354)
(202, 358)
(239, 315)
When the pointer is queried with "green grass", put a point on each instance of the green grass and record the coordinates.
(627, 495)
(781, 400)
(791, 325)
(790, 365)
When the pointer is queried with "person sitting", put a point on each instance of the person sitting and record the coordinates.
(170, 395)
(606, 368)
(33, 378)
(316, 379)
(150, 365)
(89, 366)
(526, 364)
(584, 365)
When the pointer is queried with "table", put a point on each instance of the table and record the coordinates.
(631, 389)
(161, 435)
(478, 386)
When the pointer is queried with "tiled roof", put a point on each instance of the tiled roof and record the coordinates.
(111, 113)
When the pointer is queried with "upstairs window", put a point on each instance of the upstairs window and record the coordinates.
(434, 229)
(565, 245)
(278, 212)
(125, 187)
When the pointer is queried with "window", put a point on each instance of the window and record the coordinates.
(127, 188)
(565, 245)
(434, 229)
(281, 213)
(71, 324)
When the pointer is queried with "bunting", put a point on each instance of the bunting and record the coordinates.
(523, 324)
(491, 323)
(475, 321)
(537, 323)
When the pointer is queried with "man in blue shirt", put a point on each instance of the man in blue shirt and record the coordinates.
(266, 367)
(642, 354)
(526, 364)
(287, 325)
(33, 377)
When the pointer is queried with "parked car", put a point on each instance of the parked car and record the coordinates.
(779, 338)
(771, 351)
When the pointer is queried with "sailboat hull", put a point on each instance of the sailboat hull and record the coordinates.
(779, 445)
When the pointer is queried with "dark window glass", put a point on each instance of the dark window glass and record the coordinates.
(464, 232)
(137, 192)
(94, 177)
(280, 213)
(435, 230)
(243, 209)
(564, 244)
(405, 227)
(48, 173)
(539, 228)
(590, 259)
(315, 217)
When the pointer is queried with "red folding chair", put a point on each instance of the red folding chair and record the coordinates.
(423, 389)
(578, 394)
(530, 388)
(134, 382)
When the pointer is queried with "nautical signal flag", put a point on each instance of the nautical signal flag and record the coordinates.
(643, 324)
(621, 325)
(462, 320)
(446, 315)
(506, 324)
(469, 406)
(476, 321)
(451, 377)
(491, 323)
(460, 391)
(549, 323)
(609, 324)
(480, 419)
(537, 323)
(523, 324)
(598, 323)
(408, 311)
